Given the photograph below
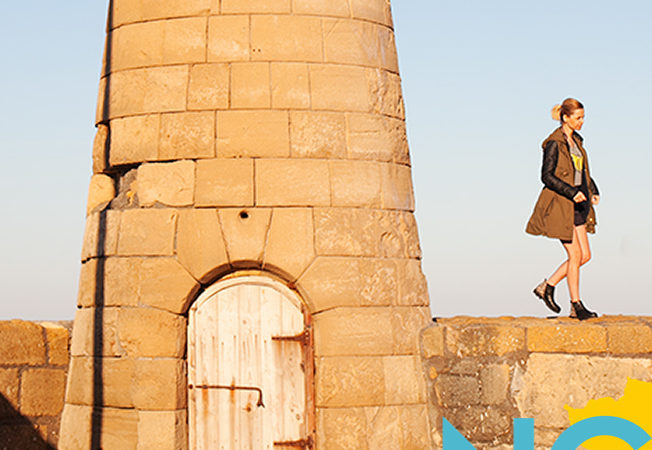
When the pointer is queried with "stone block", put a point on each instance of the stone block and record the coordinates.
(162, 430)
(42, 392)
(164, 336)
(287, 182)
(351, 42)
(415, 427)
(9, 391)
(208, 87)
(228, 38)
(549, 382)
(629, 339)
(339, 88)
(388, 55)
(404, 383)
(188, 135)
(86, 292)
(245, 233)
(150, 90)
(290, 86)
(184, 41)
(76, 423)
(100, 149)
(100, 192)
(116, 376)
(147, 232)
(354, 331)
(336, 8)
(413, 287)
(84, 333)
(159, 384)
(494, 382)
(286, 38)
(383, 427)
(165, 284)
(341, 429)
(374, 10)
(317, 135)
(407, 323)
(480, 423)
(469, 340)
(119, 429)
(58, 339)
(121, 278)
(378, 282)
(567, 338)
(356, 183)
(349, 381)
(101, 234)
(136, 45)
(290, 243)
(255, 6)
(128, 11)
(250, 85)
(454, 390)
(397, 190)
(134, 139)
(345, 231)
(200, 245)
(432, 341)
(171, 184)
(225, 182)
(369, 137)
(385, 93)
(22, 343)
(331, 282)
(252, 133)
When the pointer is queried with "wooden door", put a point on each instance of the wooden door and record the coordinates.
(249, 367)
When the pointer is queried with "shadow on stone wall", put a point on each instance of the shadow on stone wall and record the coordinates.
(18, 432)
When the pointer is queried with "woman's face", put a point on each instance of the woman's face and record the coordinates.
(575, 120)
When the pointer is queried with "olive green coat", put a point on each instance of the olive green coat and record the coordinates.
(553, 214)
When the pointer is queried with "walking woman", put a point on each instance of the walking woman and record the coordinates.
(564, 209)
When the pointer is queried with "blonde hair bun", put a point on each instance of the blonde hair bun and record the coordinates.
(556, 112)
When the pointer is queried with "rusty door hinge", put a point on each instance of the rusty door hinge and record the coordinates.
(233, 388)
(303, 338)
(303, 443)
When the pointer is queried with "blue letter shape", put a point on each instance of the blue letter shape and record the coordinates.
(523, 434)
(592, 427)
(453, 440)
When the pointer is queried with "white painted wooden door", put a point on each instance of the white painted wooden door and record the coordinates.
(246, 367)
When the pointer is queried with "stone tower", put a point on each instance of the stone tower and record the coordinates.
(249, 149)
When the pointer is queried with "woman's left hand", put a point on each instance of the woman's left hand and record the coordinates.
(595, 199)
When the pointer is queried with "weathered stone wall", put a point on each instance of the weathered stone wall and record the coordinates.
(33, 366)
(482, 373)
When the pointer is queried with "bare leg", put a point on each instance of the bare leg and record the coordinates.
(579, 233)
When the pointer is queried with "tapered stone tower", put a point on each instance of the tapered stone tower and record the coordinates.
(251, 265)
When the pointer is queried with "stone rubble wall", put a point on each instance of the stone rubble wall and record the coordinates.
(33, 367)
(482, 373)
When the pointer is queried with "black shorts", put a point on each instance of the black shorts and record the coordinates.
(580, 215)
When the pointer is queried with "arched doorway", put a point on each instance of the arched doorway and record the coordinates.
(250, 367)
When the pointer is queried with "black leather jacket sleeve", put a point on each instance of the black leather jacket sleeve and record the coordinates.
(550, 156)
(594, 187)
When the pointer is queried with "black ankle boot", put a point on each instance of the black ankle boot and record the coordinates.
(578, 311)
(547, 293)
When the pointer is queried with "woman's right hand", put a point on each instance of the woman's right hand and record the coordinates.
(579, 197)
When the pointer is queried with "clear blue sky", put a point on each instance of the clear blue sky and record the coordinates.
(479, 79)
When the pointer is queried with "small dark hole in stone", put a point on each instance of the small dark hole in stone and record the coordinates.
(244, 215)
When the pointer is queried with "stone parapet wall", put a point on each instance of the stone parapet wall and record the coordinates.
(33, 367)
(482, 373)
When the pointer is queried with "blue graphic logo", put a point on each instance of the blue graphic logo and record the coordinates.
(570, 439)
